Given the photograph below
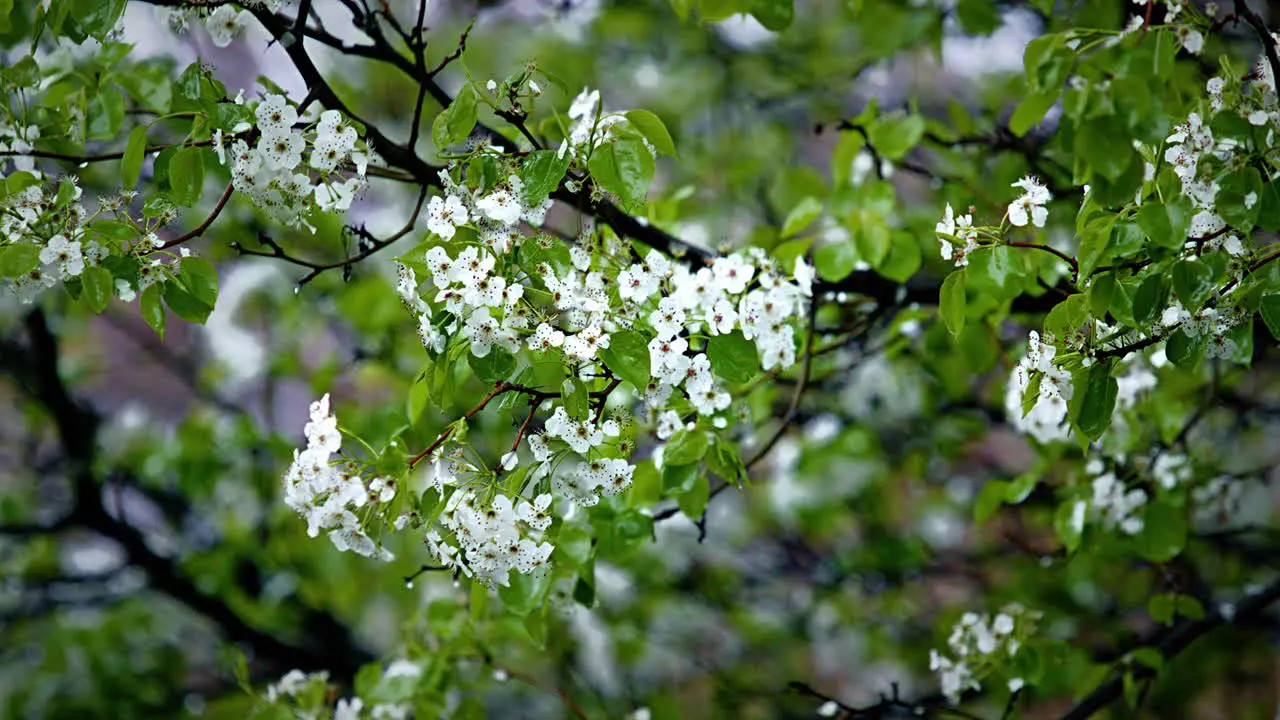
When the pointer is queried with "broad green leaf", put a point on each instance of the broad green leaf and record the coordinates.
(893, 138)
(97, 17)
(694, 502)
(1164, 532)
(1031, 110)
(1192, 283)
(628, 357)
(624, 167)
(834, 261)
(200, 279)
(152, 309)
(733, 357)
(134, 151)
(775, 15)
(1093, 399)
(541, 173)
(654, 130)
(98, 287)
(525, 592)
(801, 216)
(1162, 608)
(497, 365)
(1150, 299)
(1068, 522)
(904, 257)
(186, 176)
(1269, 307)
(1240, 199)
(685, 447)
(996, 272)
(989, 500)
(573, 545)
(678, 479)
(455, 122)
(978, 17)
(184, 304)
(19, 259)
(1184, 350)
(871, 237)
(951, 302)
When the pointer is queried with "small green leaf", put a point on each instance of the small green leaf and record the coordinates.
(801, 216)
(624, 167)
(184, 304)
(1161, 608)
(497, 365)
(653, 130)
(152, 309)
(871, 237)
(455, 122)
(951, 302)
(1068, 522)
(1093, 399)
(186, 176)
(685, 447)
(628, 357)
(1269, 307)
(1192, 282)
(989, 500)
(834, 261)
(678, 479)
(733, 357)
(893, 138)
(1164, 532)
(1031, 111)
(541, 173)
(1190, 607)
(1150, 299)
(1021, 487)
(775, 15)
(200, 279)
(574, 545)
(19, 259)
(98, 287)
(134, 151)
(694, 502)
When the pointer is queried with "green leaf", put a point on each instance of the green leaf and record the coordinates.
(200, 279)
(574, 545)
(152, 310)
(1184, 350)
(98, 286)
(1192, 283)
(1164, 224)
(834, 261)
(1068, 522)
(1021, 487)
(686, 447)
(1031, 110)
(978, 17)
(694, 502)
(455, 122)
(6, 7)
(134, 151)
(17, 182)
(105, 113)
(1093, 244)
(497, 365)
(1269, 307)
(775, 15)
(904, 257)
(1164, 532)
(1190, 607)
(801, 216)
(628, 357)
(1150, 299)
(97, 17)
(951, 302)
(1105, 144)
(893, 138)
(624, 167)
(19, 259)
(186, 176)
(525, 593)
(996, 272)
(1148, 656)
(989, 500)
(871, 237)
(418, 397)
(1093, 399)
(733, 357)
(654, 130)
(541, 173)
(184, 304)
(678, 479)
(1162, 607)
(1101, 292)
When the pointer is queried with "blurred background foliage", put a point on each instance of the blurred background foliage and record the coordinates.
(846, 560)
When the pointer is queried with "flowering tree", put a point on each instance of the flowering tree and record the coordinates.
(735, 384)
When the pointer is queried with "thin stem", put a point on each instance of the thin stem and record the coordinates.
(200, 229)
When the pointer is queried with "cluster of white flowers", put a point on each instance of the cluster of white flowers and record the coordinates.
(1113, 504)
(956, 229)
(980, 644)
(308, 696)
(224, 23)
(1030, 206)
(591, 126)
(327, 494)
(1217, 500)
(1170, 469)
(269, 173)
(1211, 323)
(1046, 421)
(495, 537)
